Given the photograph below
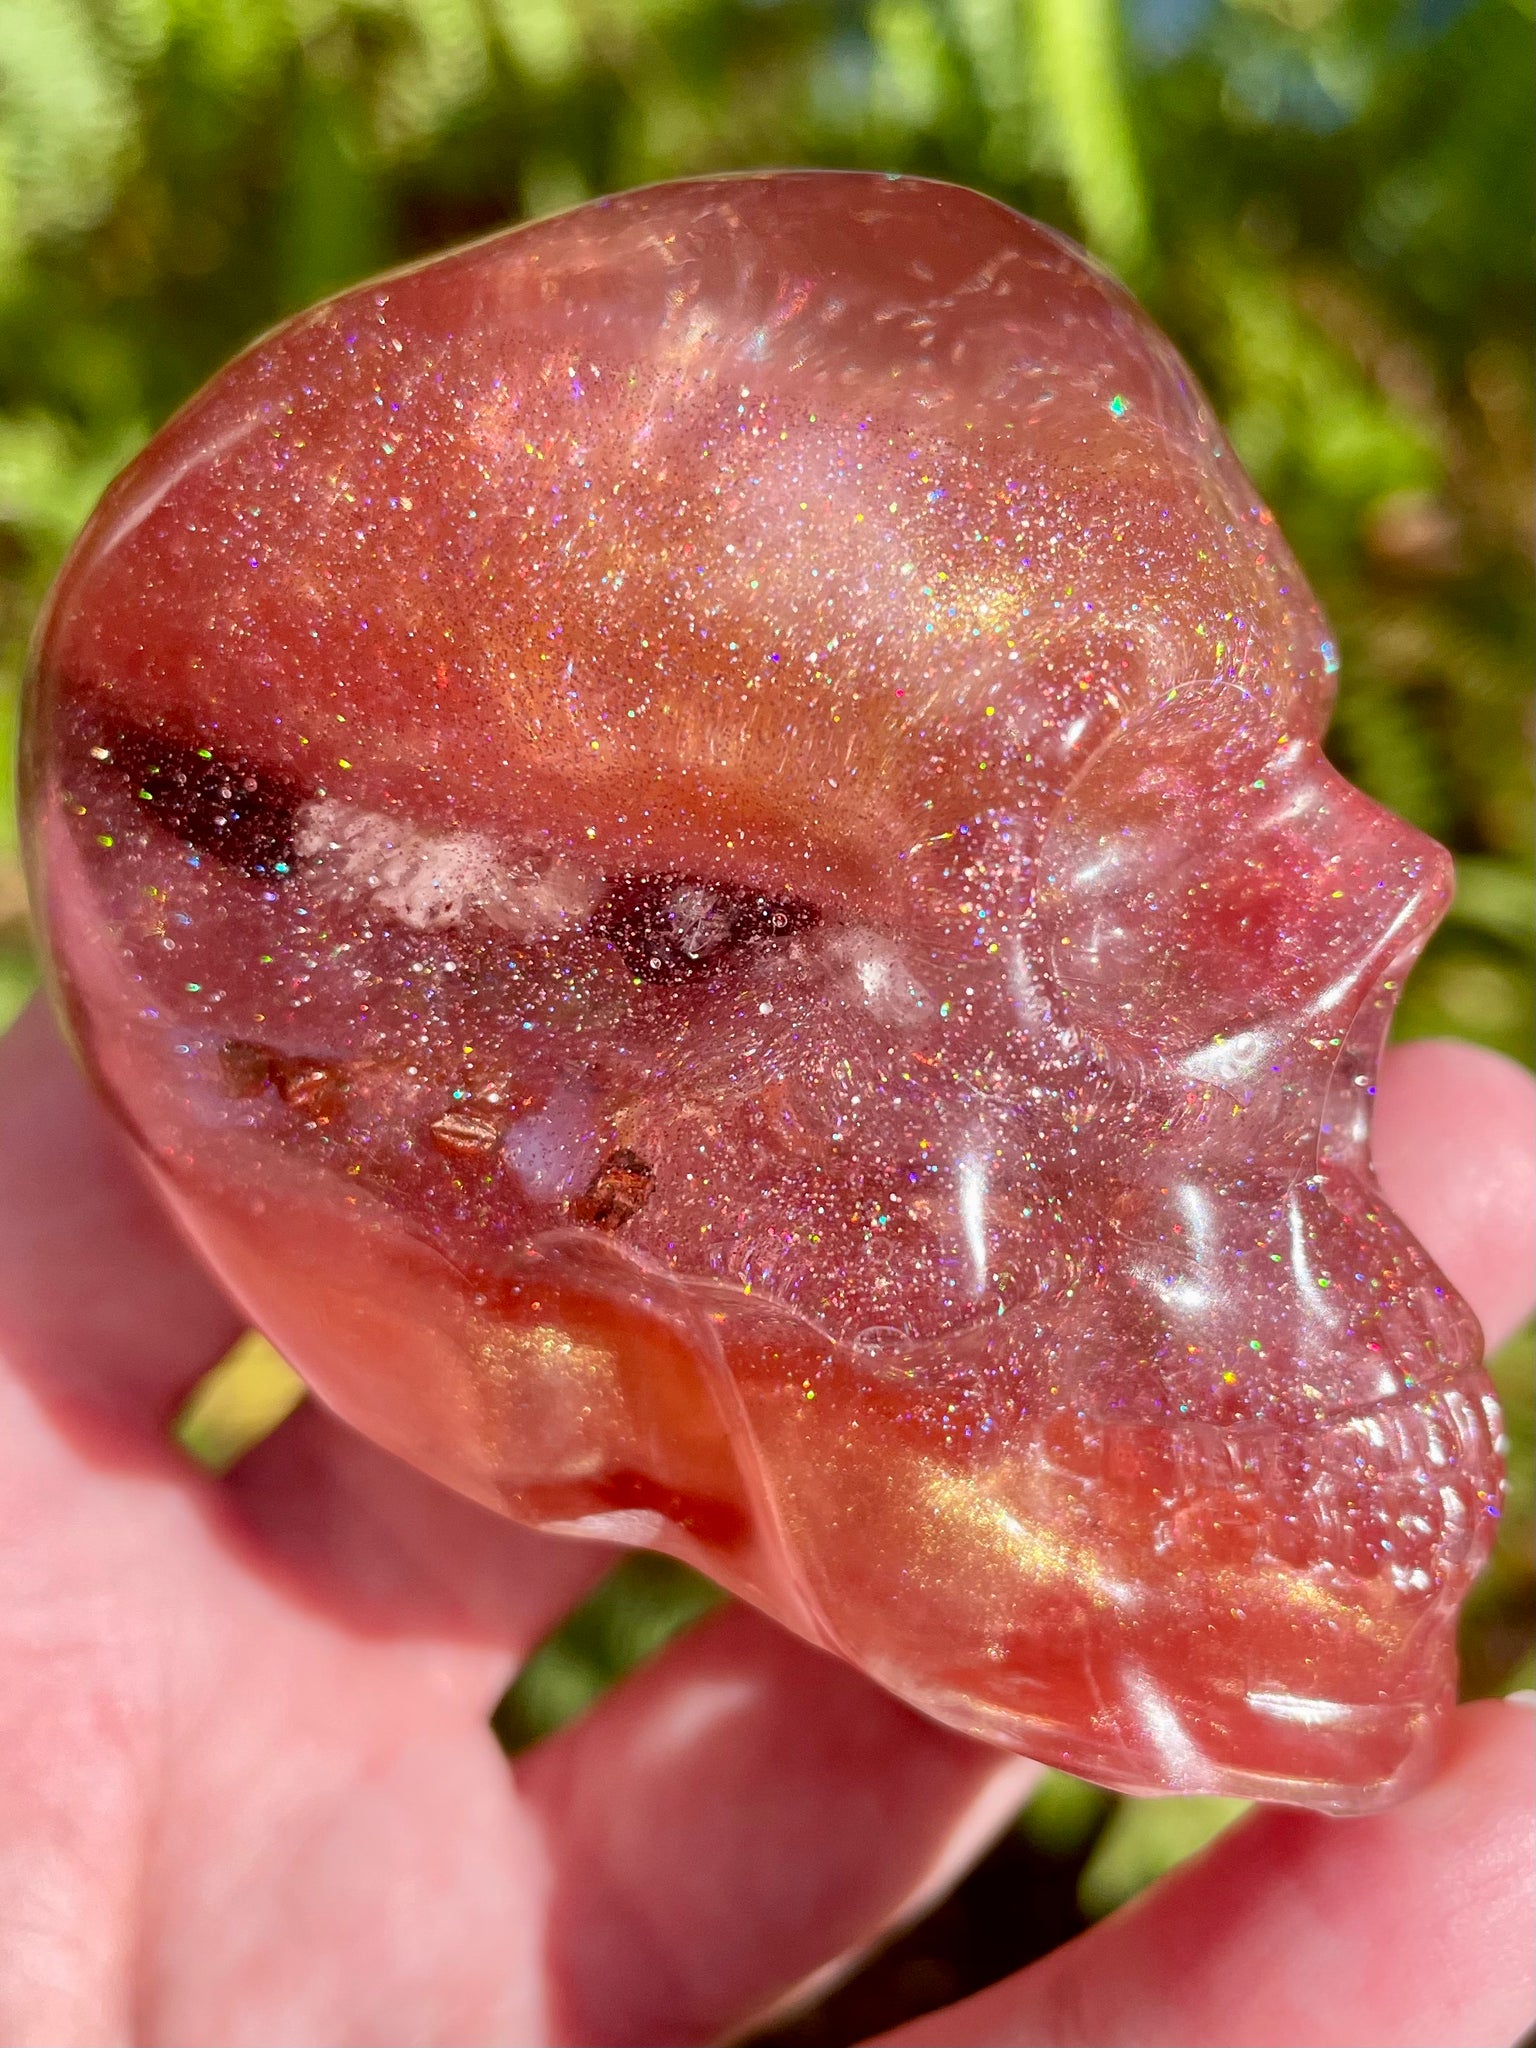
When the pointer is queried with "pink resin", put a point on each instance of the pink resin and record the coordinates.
(695, 841)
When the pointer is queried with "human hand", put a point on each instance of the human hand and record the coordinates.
(248, 1790)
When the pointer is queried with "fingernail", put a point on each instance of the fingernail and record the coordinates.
(1525, 1697)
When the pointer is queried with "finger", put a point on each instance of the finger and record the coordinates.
(223, 1817)
(1407, 1929)
(356, 1534)
(1454, 1141)
(103, 1308)
(737, 1817)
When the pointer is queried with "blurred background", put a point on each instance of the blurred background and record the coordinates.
(1328, 203)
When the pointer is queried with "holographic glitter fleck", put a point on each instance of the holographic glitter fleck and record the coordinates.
(695, 841)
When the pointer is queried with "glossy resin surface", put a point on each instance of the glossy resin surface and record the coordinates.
(695, 841)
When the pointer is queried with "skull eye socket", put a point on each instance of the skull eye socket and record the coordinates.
(232, 810)
(671, 928)
(667, 928)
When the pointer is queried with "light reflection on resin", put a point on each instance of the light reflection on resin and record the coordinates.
(695, 840)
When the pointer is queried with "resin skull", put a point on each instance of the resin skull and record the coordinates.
(695, 841)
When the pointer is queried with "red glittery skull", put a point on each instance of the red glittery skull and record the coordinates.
(695, 841)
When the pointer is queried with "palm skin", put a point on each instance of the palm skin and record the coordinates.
(248, 1791)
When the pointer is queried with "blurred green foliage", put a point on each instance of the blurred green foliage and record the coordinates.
(1327, 202)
